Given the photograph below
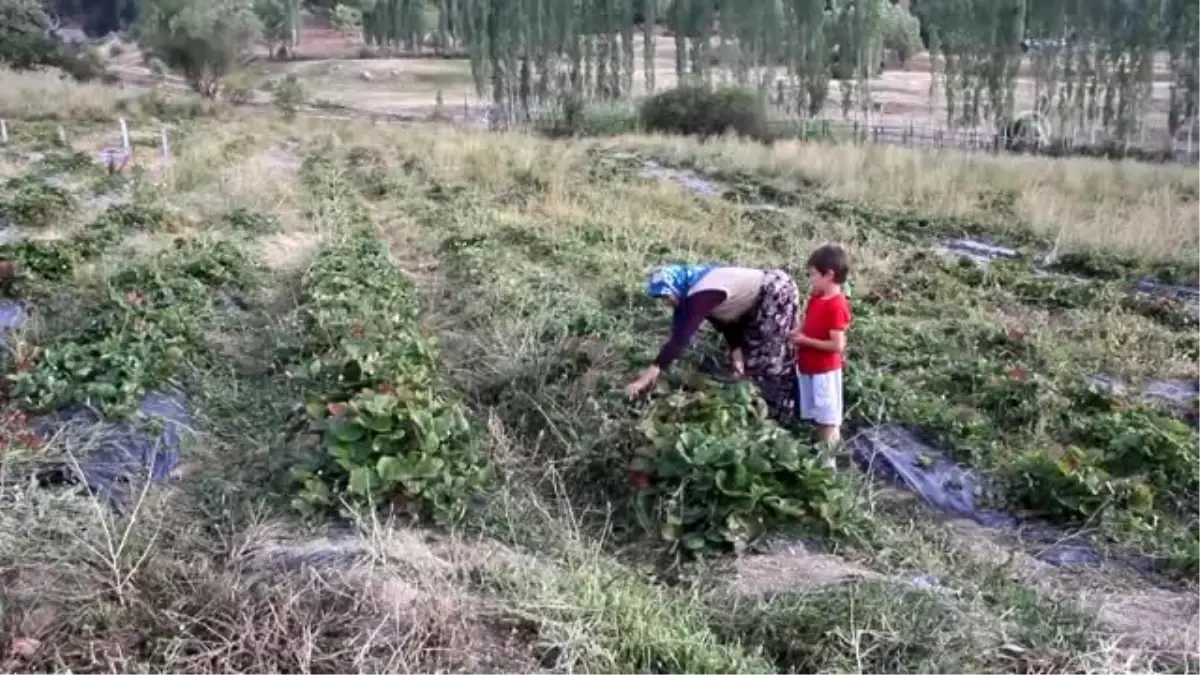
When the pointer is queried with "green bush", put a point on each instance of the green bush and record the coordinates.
(717, 473)
(388, 435)
(203, 40)
(288, 96)
(901, 31)
(700, 111)
(25, 40)
(574, 118)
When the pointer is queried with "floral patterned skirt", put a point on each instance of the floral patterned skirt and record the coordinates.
(770, 353)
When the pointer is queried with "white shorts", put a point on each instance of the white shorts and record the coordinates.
(821, 397)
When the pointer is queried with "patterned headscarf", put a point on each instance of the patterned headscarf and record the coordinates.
(675, 280)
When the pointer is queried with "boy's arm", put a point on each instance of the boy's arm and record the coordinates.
(840, 321)
(835, 343)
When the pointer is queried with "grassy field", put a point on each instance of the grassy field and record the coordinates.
(523, 260)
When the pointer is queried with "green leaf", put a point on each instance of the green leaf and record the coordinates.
(346, 431)
(363, 480)
(643, 464)
(428, 467)
(315, 408)
(378, 423)
(706, 453)
(390, 469)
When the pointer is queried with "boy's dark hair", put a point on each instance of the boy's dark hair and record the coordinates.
(831, 258)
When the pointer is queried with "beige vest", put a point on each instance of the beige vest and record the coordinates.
(741, 285)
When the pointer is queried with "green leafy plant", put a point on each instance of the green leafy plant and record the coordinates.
(1074, 485)
(1124, 460)
(65, 162)
(716, 473)
(388, 436)
(1160, 450)
(42, 260)
(288, 96)
(32, 203)
(244, 219)
(147, 324)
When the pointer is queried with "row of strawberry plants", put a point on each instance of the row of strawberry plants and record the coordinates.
(715, 473)
(388, 434)
(145, 322)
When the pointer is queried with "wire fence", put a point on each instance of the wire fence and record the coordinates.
(623, 119)
(1184, 151)
(912, 135)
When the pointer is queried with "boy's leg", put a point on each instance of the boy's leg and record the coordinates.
(827, 406)
(804, 397)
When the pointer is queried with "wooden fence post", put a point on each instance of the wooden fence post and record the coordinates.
(125, 144)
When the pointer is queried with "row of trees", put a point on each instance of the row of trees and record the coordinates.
(1092, 61)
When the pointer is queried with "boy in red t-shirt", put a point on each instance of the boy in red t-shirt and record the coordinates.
(820, 340)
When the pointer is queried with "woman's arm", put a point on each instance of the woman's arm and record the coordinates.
(733, 332)
(692, 312)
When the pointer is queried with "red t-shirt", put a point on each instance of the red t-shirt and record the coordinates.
(822, 315)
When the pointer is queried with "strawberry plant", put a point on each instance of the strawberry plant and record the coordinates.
(32, 203)
(45, 260)
(388, 435)
(1160, 450)
(1124, 460)
(1074, 485)
(246, 220)
(142, 330)
(716, 473)
(65, 162)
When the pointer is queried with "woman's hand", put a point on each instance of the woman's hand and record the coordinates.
(644, 381)
(738, 358)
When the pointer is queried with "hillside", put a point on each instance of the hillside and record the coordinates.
(265, 271)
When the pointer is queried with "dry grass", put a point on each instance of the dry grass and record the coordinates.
(161, 589)
(35, 95)
(1090, 203)
(1150, 210)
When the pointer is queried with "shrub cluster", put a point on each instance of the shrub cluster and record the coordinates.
(702, 111)
(388, 435)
